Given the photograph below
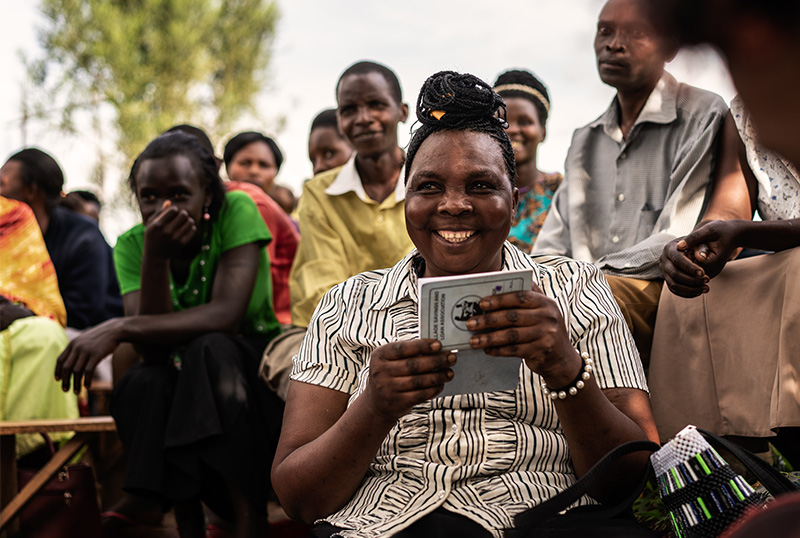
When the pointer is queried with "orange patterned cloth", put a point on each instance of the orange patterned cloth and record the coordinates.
(27, 275)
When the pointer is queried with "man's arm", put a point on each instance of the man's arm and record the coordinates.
(554, 236)
(699, 159)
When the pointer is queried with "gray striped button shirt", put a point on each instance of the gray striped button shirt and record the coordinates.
(486, 456)
(622, 200)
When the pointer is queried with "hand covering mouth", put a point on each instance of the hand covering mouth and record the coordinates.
(452, 236)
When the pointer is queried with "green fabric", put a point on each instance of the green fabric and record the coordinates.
(239, 223)
(29, 348)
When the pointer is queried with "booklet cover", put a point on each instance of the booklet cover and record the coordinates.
(445, 305)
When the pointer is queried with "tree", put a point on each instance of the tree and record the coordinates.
(155, 62)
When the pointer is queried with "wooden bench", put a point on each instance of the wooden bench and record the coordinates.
(11, 501)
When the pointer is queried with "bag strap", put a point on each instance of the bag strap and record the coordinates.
(528, 520)
(765, 473)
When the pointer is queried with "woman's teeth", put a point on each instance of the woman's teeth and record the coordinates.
(455, 237)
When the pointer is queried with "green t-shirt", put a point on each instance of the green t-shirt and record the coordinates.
(238, 223)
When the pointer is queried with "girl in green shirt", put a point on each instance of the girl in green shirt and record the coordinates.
(195, 281)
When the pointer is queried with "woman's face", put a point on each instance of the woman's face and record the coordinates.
(11, 185)
(327, 149)
(254, 163)
(172, 178)
(459, 203)
(524, 129)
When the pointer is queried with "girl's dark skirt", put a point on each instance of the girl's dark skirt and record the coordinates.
(190, 432)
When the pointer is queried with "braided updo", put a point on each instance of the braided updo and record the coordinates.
(450, 101)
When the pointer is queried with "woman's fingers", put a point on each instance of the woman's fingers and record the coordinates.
(409, 348)
(420, 365)
(414, 383)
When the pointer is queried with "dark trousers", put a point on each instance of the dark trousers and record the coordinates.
(191, 432)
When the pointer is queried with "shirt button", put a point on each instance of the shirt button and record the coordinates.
(615, 239)
(441, 495)
(621, 197)
(455, 428)
(380, 218)
(623, 155)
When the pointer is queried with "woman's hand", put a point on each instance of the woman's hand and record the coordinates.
(81, 356)
(683, 275)
(169, 231)
(404, 374)
(688, 263)
(527, 324)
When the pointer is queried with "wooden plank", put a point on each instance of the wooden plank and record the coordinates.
(84, 424)
(41, 478)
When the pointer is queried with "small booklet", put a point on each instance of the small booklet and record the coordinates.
(445, 305)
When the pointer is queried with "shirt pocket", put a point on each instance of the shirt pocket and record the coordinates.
(648, 217)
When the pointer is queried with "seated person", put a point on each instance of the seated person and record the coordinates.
(735, 316)
(327, 146)
(285, 198)
(636, 177)
(283, 244)
(79, 251)
(83, 202)
(32, 320)
(242, 166)
(257, 157)
(369, 449)
(351, 218)
(197, 422)
(528, 107)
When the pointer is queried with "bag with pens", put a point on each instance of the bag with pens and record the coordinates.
(702, 493)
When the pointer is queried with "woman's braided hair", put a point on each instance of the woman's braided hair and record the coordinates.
(450, 101)
(205, 164)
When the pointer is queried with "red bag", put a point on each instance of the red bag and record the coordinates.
(66, 507)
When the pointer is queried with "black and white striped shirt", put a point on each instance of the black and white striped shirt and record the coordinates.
(486, 456)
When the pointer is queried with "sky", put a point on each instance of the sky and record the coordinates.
(317, 39)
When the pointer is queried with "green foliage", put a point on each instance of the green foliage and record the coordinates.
(155, 62)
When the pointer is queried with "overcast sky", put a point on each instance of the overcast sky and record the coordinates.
(318, 39)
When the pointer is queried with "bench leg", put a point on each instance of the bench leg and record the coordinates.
(8, 475)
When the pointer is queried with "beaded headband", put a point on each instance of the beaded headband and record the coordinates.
(526, 89)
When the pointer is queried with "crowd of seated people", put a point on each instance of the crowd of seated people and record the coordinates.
(644, 313)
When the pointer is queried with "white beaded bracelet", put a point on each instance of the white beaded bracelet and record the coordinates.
(576, 385)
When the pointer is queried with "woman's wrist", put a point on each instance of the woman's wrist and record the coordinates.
(564, 372)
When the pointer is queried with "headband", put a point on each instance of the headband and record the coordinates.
(526, 89)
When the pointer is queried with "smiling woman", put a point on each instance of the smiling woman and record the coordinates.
(369, 448)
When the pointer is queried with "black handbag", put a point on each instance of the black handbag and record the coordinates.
(599, 521)
(66, 507)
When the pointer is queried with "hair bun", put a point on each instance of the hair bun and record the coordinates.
(453, 100)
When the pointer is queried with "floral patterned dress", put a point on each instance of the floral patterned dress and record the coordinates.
(532, 210)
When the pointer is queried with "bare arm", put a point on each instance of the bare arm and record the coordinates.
(529, 324)
(733, 196)
(326, 448)
(233, 286)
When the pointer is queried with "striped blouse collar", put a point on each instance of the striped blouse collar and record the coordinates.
(400, 282)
